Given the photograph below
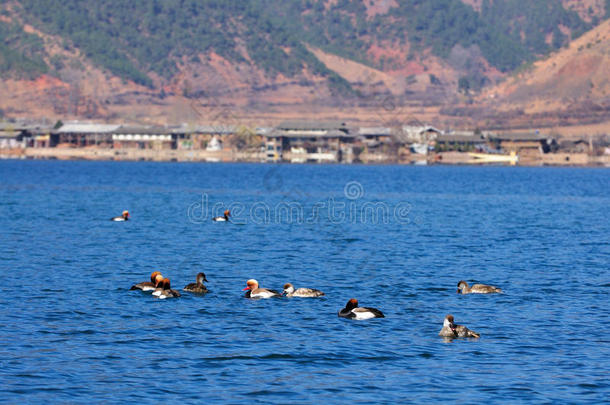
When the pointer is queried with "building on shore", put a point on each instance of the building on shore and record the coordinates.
(526, 145)
(374, 137)
(136, 137)
(14, 136)
(419, 134)
(81, 135)
(19, 136)
(576, 146)
(310, 141)
(295, 141)
(418, 138)
(464, 141)
(199, 137)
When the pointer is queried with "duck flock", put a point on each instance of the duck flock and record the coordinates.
(160, 287)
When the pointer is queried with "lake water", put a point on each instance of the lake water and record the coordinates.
(397, 238)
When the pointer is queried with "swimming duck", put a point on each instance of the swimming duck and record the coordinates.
(155, 277)
(197, 287)
(353, 311)
(255, 292)
(451, 330)
(123, 217)
(164, 290)
(289, 291)
(476, 288)
(224, 218)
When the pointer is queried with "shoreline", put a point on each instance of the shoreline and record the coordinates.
(228, 156)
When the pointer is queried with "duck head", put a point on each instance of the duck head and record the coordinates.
(154, 275)
(126, 214)
(201, 278)
(351, 304)
(288, 288)
(251, 284)
(462, 285)
(448, 322)
(159, 281)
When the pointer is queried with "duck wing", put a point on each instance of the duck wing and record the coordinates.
(463, 331)
(142, 286)
(485, 289)
(346, 313)
(378, 313)
(308, 292)
(274, 292)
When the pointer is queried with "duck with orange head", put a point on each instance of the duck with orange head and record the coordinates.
(155, 278)
(353, 311)
(451, 330)
(164, 290)
(223, 218)
(254, 291)
(122, 217)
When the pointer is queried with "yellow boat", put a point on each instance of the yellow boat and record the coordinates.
(512, 159)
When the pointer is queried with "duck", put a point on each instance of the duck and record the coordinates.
(289, 291)
(353, 311)
(164, 290)
(451, 330)
(197, 287)
(254, 291)
(123, 217)
(476, 288)
(224, 218)
(155, 277)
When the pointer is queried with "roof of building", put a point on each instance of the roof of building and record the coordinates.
(263, 130)
(142, 130)
(87, 128)
(460, 138)
(312, 125)
(573, 142)
(420, 129)
(10, 134)
(19, 127)
(215, 129)
(460, 133)
(335, 133)
(374, 131)
(528, 136)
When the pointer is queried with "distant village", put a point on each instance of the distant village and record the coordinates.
(296, 142)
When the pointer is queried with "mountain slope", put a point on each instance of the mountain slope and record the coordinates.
(95, 57)
(577, 74)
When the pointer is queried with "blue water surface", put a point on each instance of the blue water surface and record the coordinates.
(397, 238)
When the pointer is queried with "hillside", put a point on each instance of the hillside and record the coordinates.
(577, 76)
(103, 59)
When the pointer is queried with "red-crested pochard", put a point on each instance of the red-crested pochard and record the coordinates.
(476, 288)
(353, 311)
(123, 217)
(289, 291)
(224, 218)
(198, 287)
(254, 291)
(451, 330)
(155, 277)
(164, 290)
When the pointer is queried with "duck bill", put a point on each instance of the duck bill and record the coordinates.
(247, 288)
